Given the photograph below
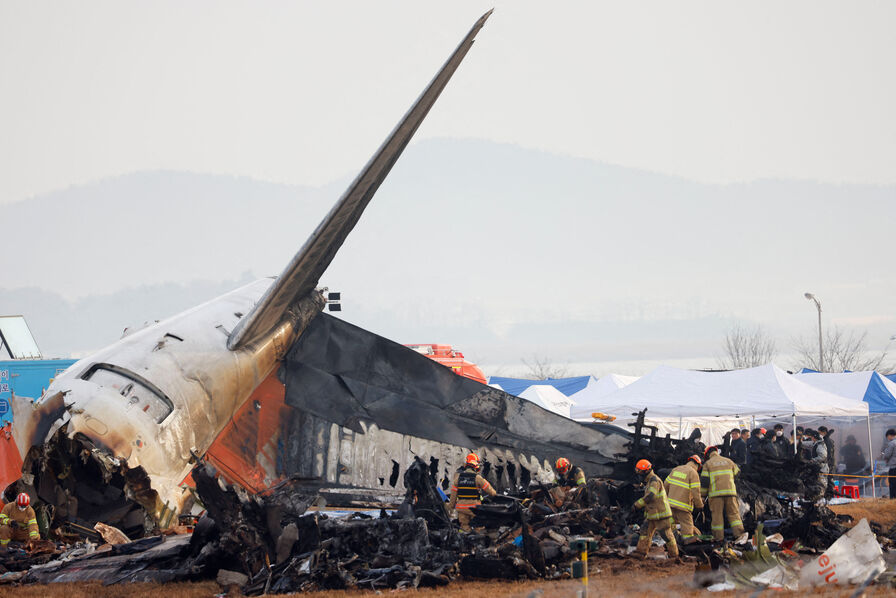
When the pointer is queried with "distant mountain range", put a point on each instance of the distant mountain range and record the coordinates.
(504, 251)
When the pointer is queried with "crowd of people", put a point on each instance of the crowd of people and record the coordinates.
(814, 445)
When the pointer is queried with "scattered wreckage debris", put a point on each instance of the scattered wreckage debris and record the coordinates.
(278, 541)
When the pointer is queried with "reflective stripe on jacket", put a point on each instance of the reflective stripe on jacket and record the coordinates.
(718, 476)
(654, 499)
(683, 488)
(25, 518)
(574, 477)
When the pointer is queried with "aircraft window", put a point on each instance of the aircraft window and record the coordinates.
(138, 393)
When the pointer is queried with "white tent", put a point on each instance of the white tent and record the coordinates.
(590, 399)
(766, 391)
(678, 401)
(548, 397)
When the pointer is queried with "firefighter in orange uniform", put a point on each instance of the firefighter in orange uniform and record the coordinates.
(466, 491)
(658, 514)
(18, 522)
(683, 489)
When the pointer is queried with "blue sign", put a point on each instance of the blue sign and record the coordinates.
(26, 378)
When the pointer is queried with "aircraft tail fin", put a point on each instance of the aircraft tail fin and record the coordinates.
(305, 269)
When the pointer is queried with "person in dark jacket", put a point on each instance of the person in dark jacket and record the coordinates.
(753, 444)
(767, 447)
(826, 434)
(738, 448)
(782, 444)
(852, 457)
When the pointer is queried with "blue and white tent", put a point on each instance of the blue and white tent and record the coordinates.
(515, 386)
(870, 387)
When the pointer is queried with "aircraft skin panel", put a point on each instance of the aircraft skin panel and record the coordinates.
(303, 273)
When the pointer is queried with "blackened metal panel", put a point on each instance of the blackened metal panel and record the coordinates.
(346, 375)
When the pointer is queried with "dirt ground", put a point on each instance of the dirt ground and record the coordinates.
(880, 510)
(615, 577)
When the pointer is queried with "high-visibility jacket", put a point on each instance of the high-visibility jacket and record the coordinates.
(467, 489)
(683, 488)
(718, 476)
(574, 477)
(25, 518)
(654, 499)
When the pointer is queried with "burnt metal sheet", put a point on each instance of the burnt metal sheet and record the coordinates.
(351, 377)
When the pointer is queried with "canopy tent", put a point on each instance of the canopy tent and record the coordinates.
(872, 388)
(719, 401)
(890, 377)
(763, 391)
(515, 386)
(548, 397)
(590, 399)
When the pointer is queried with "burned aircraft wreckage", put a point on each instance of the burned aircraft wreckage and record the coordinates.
(256, 406)
(264, 386)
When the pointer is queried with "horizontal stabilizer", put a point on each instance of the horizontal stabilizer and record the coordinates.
(303, 273)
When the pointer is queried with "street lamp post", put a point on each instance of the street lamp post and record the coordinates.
(820, 353)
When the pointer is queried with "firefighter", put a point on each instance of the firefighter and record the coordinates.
(683, 489)
(18, 522)
(465, 494)
(568, 475)
(658, 516)
(717, 481)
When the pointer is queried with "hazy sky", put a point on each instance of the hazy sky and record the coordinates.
(302, 92)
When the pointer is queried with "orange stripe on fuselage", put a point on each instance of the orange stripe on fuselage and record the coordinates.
(237, 449)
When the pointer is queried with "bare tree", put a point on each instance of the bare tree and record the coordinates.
(747, 348)
(541, 368)
(841, 350)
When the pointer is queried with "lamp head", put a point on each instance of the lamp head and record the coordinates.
(808, 295)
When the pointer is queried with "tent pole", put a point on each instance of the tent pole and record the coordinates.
(796, 440)
(871, 458)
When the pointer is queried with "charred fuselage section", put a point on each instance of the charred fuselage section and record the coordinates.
(79, 484)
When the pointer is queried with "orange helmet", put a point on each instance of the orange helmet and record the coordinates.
(473, 460)
(643, 466)
(696, 459)
(708, 450)
(23, 500)
(562, 465)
